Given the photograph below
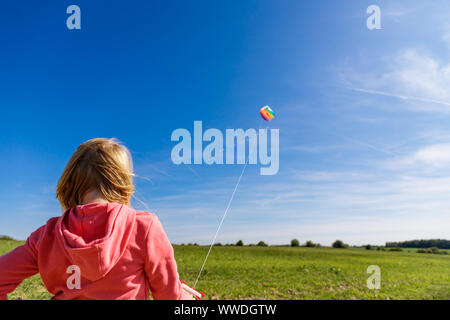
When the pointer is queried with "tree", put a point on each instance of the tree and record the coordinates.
(339, 244)
(262, 244)
(434, 250)
(310, 244)
(240, 243)
(295, 243)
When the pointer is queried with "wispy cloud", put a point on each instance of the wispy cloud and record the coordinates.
(404, 97)
(315, 148)
(428, 158)
(410, 75)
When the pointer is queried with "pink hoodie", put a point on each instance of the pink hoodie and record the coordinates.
(121, 254)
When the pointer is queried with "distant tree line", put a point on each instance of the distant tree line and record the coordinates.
(294, 243)
(240, 243)
(433, 250)
(437, 243)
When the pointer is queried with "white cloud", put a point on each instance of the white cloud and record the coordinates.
(436, 155)
(419, 74)
(408, 75)
(429, 158)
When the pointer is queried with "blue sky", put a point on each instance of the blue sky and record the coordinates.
(363, 114)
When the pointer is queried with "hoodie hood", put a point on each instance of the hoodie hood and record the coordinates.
(95, 236)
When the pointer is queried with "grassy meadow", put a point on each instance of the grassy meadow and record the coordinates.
(296, 273)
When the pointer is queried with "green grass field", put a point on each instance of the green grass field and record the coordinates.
(296, 273)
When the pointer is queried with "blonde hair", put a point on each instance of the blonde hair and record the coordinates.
(97, 164)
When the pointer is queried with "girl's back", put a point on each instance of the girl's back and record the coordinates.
(100, 248)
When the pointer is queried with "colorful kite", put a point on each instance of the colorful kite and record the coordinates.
(267, 113)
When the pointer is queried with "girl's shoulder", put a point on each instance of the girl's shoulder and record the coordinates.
(145, 216)
(49, 226)
(144, 221)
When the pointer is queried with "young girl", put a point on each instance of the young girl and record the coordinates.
(100, 248)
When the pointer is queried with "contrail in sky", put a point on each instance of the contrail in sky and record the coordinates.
(399, 96)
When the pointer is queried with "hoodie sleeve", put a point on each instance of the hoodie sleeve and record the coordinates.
(19, 264)
(160, 265)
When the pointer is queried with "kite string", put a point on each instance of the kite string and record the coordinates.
(226, 210)
(221, 222)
